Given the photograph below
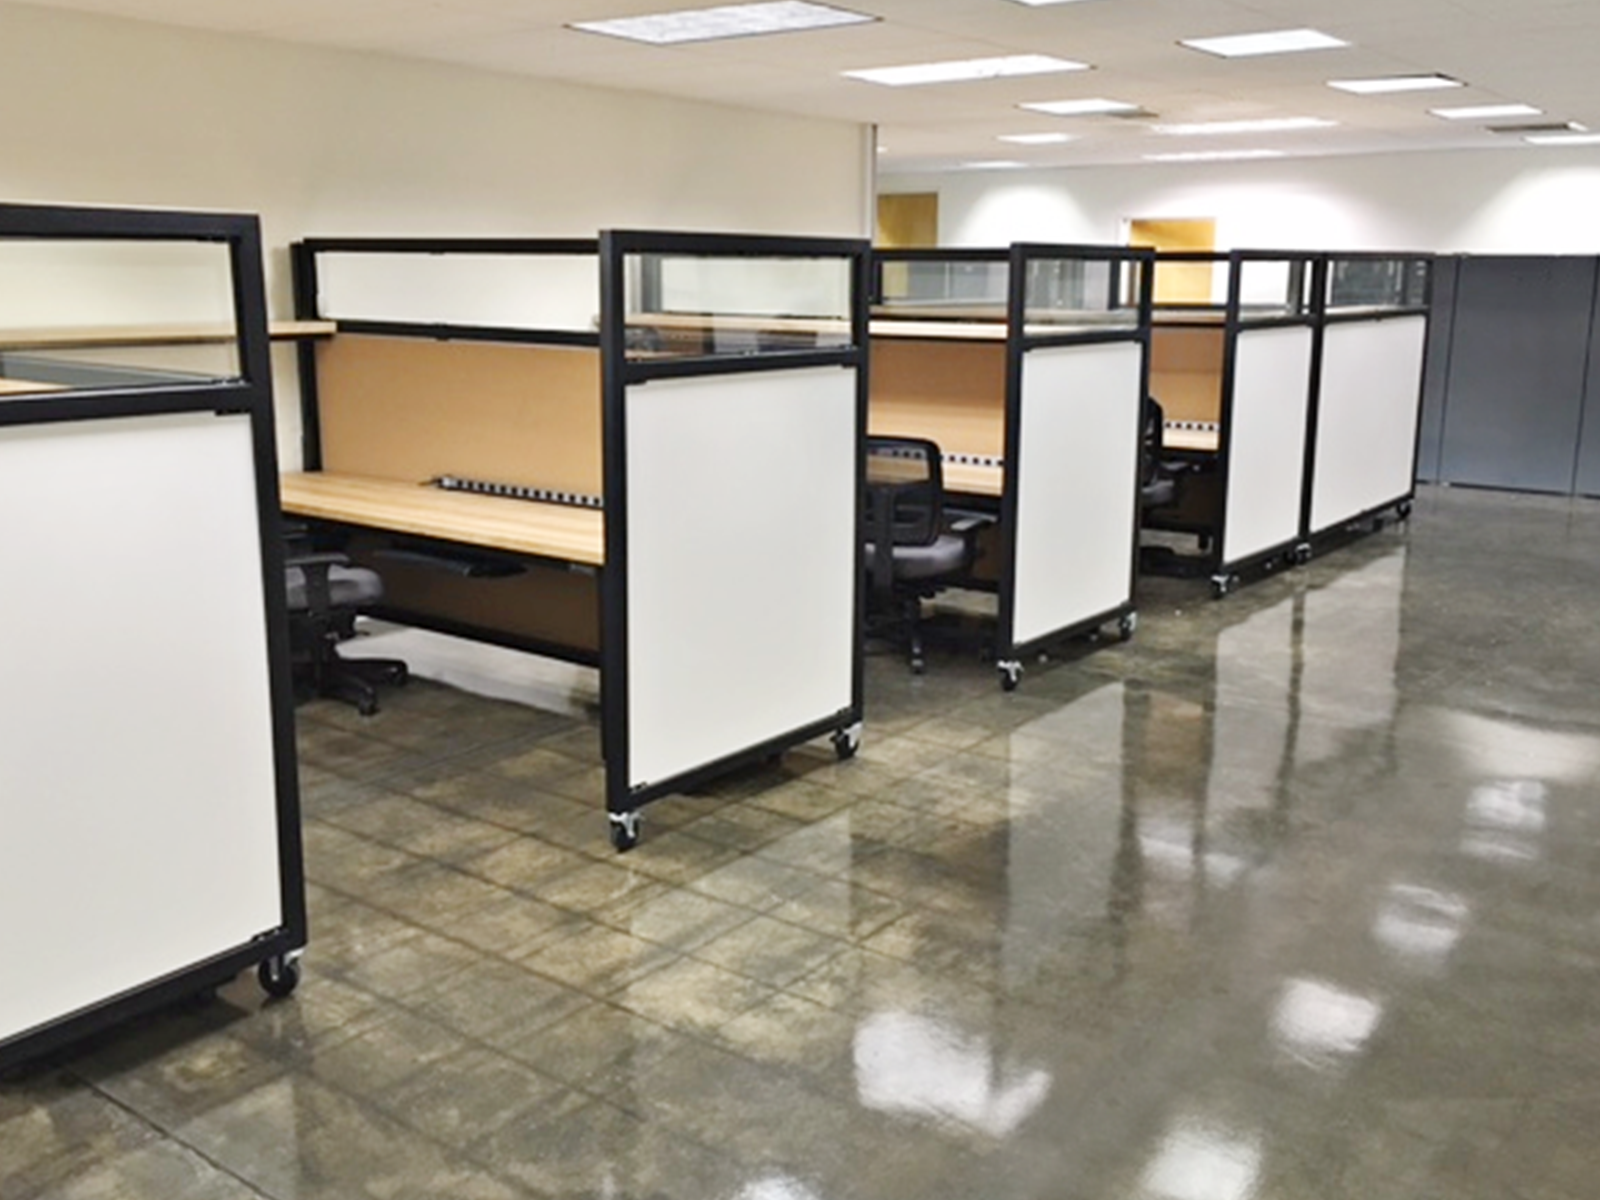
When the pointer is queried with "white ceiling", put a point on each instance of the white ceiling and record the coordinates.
(1541, 52)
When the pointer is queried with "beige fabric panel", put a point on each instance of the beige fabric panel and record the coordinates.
(1186, 372)
(409, 409)
(951, 392)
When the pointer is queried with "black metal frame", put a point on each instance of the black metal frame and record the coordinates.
(251, 394)
(1236, 320)
(1019, 341)
(1326, 316)
(618, 374)
(1311, 268)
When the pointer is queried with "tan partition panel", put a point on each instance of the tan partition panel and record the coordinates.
(410, 409)
(951, 392)
(1186, 372)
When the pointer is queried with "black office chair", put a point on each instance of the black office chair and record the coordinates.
(911, 554)
(325, 595)
(1158, 479)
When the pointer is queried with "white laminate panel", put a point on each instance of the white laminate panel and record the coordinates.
(1266, 440)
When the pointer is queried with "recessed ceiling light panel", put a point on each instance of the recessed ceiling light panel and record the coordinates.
(1278, 41)
(724, 21)
(1563, 139)
(1265, 125)
(1383, 84)
(1096, 106)
(994, 164)
(1486, 112)
(1214, 155)
(1036, 139)
(966, 70)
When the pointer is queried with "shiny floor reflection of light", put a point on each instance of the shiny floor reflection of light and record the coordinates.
(1290, 897)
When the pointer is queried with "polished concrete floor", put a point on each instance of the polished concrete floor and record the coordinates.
(1296, 895)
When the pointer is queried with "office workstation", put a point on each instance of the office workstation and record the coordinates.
(641, 453)
(1289, 387)
(1026, 367)
(147, 753)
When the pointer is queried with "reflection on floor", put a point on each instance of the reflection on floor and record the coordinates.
(1292, 896)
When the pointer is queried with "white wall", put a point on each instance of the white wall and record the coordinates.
(1516, 199)
(325, 142)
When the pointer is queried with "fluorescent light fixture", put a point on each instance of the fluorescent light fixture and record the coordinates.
(724, 21)
(1265, 125)
(1381, 84)
(1042, 3)
(1096, 106)
(993, 164)
(1036, 139)
(1563, 139)
(966, 70)
(1214, 155)
(1486, 112)
(1278, 41)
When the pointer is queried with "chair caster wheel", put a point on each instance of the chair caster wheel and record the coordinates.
(625, 830)
(279, 975)
(1221, 585)
(1126, 626)
(1010, 675)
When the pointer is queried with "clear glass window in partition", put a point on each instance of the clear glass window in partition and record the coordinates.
(952, 289)
(694, 305)
(553, 292)
(1273, 288)
(1088, 294)
(92, 313)
(1366, 283)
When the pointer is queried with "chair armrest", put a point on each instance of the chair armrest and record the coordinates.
(969, 523)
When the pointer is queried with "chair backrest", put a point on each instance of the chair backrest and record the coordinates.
(1151, 440)
(906, 477)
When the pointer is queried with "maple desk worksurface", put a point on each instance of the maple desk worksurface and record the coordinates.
(556, 531)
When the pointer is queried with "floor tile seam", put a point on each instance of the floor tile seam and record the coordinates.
(841, 947)
(460, 943)
(460, 869)
(613, 921)
(170, 1135)
(817, 876)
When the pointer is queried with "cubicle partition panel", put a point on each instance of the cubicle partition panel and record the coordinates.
(1236, 382)
(1369, 399)
(1268, 405)
(1079, 348)
(1028, 367)
(650, 465)
(735, 402)
(147, 761)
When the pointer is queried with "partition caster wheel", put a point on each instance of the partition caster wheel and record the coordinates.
(1221, 585)
(1301, 555)
(625, 830)
(1010, 675)
(1126, 625)
(846, 742)
(1403, 511)
(279, 975)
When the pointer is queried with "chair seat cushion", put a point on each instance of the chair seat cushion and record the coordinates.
(945, 555)
(348, 587)
(1158, 494)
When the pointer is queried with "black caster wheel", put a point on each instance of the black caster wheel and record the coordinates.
(1221, 585)
(1126, 626)
(846, 742)
(1403, 512)
(367, 708)
(625, 829)
(918, 666)
(1010, 676)
(402, 676)
(278, 976)
(1302, 555)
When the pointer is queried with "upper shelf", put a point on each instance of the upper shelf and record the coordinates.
(153, 335)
